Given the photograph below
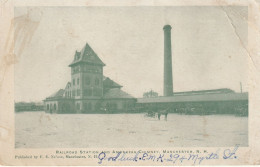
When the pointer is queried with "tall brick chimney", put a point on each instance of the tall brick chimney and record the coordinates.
(167, 84)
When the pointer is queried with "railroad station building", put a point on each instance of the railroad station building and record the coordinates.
(89, 91)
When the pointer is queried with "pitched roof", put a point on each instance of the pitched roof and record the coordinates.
(86, 55)
(109, 83)
(58, 94)
(117, 93)
(68, 85)
(196, 98)
(211, 91)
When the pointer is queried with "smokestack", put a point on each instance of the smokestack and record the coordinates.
(167, 86)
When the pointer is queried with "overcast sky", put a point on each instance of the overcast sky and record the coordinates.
(207, 47)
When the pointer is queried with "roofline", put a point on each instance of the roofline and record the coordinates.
(84, 62)
(113, 87)
(94, 98)
(104, 98)
(207, 90)
(178, 99)
(57, 98)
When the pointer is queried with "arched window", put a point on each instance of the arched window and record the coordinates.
(96, 81)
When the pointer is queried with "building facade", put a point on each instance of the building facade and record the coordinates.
(204, 102)
(89, 91)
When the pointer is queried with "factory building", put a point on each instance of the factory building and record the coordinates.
(217, 101)
(89, 90)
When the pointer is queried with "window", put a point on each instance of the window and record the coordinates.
(54, 106)
(73, 81)
(96, 81)
(78, 81)
(47, 106)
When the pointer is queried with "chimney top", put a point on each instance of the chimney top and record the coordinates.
(167, 27)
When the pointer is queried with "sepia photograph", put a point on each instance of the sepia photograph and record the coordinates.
(131, 77)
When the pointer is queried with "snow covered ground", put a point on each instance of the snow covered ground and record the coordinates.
(41, 130)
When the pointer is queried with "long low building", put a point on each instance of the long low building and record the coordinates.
(195, 98)
(198, 102)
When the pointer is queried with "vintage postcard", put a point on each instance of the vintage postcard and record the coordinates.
(129, 83)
